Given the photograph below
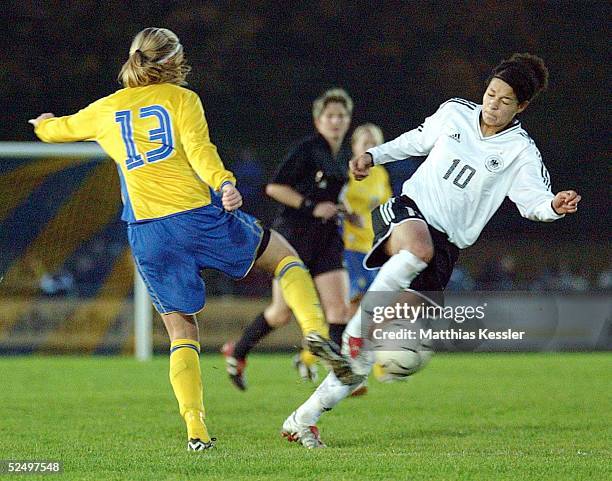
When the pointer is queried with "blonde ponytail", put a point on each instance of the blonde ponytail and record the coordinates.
(156, 56)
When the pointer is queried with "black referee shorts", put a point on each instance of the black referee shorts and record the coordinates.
(398, 210)
(319, 246)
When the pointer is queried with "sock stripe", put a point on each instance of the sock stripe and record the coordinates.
(289, 266)
(179, 346)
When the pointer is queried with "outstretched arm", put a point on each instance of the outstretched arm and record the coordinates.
(566, 202)
(531, 193)
(80, 126)
(414, 143)
(40, 118)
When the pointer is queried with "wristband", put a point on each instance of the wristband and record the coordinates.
(225, 183)
(307, 207)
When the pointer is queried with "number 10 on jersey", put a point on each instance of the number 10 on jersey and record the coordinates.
(460, 180)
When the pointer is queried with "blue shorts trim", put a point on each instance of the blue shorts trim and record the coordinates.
(360, 278)
(171, 252)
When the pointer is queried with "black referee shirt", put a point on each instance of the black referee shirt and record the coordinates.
(311, 169)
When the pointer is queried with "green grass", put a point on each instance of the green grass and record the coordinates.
(469, 416)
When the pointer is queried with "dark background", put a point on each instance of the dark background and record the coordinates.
(259, 65)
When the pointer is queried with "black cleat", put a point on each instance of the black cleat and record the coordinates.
(329, 351)
(234, 367)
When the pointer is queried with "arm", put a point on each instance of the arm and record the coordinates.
(70, 128)
(415, 143)
(287, 195)
(293, 169)
(201, 152)
(531, 193)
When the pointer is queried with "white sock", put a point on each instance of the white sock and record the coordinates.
(398, 272)
(329, 393)
(353, 328)
(395, 275)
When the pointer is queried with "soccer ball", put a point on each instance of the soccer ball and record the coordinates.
(396, 358)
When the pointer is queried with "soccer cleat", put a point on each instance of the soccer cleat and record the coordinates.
(196, 444)
(329, 351)
(361, 357)
(295, 432)
(234, 367)
(306, 372)
(360, 390)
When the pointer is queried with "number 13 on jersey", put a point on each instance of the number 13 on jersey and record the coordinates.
(162, 134)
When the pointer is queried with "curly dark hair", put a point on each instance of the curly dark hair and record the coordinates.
(525, 73)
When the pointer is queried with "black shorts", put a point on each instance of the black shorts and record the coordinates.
(398, 210)
(319, 246)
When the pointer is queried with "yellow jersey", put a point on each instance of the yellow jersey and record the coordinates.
(158, 137)
(362, 197)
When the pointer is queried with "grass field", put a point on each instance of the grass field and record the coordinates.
(469, 417)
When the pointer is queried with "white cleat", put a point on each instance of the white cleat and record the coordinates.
(196, 444)
(307, 435)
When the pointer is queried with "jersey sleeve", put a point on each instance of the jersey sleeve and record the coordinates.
(293, 168)
(530, 190)
(201, 152)
(71, 128)
(414, 143)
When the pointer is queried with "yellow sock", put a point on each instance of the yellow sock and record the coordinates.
(301, 296)
(186, 381)
(379, 372)
(308, 358)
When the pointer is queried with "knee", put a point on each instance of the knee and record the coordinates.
(181, 326)
(277, 317)
(413, 237)
(423, 250)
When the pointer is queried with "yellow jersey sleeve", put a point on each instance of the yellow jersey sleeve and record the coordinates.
(71, 128)
(200, 151)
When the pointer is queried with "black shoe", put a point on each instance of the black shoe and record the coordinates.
(235, 367)
(329, 351)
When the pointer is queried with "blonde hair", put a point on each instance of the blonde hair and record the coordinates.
(331, 95)
(370, 128)
(156, 56)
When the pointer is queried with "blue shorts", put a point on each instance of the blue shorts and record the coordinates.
(360, 278)
(171, 252)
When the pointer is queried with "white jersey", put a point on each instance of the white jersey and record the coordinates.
(467, 176)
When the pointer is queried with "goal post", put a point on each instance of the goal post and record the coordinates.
(88, 152)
